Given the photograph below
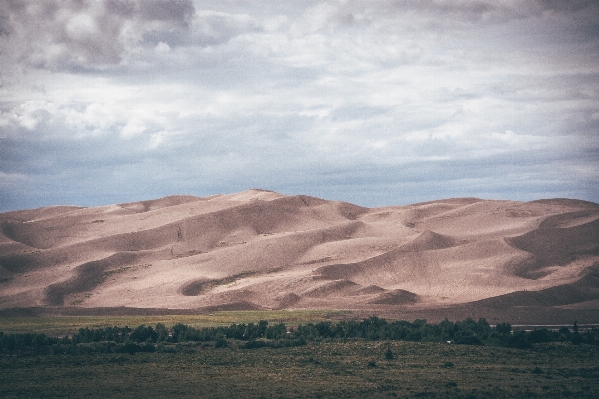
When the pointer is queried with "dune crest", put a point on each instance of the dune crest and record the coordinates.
(259, 249)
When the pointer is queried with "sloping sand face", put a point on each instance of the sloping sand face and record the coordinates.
(259, 249)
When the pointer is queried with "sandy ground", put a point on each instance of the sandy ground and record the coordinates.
(263, 250)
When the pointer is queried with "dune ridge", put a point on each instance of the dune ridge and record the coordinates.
(259, 249)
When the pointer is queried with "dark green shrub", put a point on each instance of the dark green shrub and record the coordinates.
(519, 340)
(538, 336)
(143, 334)
(389, 354)
(503, 328)
(277, 331)
(576, 339)
(132, 348)
(254, 344)
(467, 339)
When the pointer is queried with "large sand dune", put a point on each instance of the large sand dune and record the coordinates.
(263, 250)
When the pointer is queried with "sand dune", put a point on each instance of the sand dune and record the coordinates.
(583, 290)
(262, 250)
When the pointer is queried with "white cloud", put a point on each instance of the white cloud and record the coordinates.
(162, 48)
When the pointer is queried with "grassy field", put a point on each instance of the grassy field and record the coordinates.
(350, 369)
(58, 325)
(353, 369)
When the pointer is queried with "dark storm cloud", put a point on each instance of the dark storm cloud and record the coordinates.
(65, 34)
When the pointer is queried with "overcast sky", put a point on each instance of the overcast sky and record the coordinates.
(371, 102)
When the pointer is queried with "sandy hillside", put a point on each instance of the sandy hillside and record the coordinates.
(260, 249)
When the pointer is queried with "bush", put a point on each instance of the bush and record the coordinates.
(537, 370)
(221, 343)
(576, 339)
(389, 354)
(143, 334)
(503, 328)
(132, 348)
(538, 336)
(519, 340)
(467, 338)
(161, 348)
(254, 344)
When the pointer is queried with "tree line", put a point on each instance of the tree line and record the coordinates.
(262, 334)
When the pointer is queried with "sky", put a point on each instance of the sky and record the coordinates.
(371, 102)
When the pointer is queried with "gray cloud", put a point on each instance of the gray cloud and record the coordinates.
(178, 11)
(371, 102)
(65, 34)
(569, 6)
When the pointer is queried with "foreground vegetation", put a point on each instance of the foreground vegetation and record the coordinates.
(320, 370)
(277, 335)
(371, 358)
